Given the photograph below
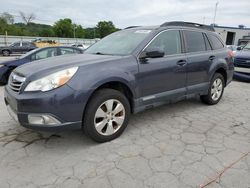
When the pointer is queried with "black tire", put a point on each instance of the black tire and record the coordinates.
(98, 98)
(207, 99)
(6, 53)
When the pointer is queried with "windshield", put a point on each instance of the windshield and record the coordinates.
(119, 43)
(247, 47)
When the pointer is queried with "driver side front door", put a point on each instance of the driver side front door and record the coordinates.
(163, 78)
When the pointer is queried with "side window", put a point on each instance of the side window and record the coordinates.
(216, 43)
(16, 44)
(194, 41)
(49, 52)
(208, 46)
(168, 41)
(65, 51)
(25, 44)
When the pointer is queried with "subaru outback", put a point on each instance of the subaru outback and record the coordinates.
(126, 72)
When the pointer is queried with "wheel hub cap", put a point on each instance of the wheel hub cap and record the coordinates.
(217, 88)
(109, 117)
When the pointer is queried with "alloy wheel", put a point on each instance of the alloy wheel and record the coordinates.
(109, 117)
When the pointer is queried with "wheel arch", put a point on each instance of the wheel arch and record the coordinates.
(118, 85)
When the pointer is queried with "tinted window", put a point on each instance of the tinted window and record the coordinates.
(49, 52)
(194, 41)
(208, 46)
(16, 44)
(216, 43)
(168, 41)
(25, 44)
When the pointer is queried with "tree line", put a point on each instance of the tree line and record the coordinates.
(61, 28)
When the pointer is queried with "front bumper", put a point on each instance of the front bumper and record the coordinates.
(242, 74)
(64, 104)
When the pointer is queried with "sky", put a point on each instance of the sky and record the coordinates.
(126, 13)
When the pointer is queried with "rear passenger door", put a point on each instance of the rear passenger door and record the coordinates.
(200, 58)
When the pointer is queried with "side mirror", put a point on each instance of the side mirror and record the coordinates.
(152, 53)
(239, 48)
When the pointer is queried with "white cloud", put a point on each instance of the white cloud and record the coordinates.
(134, 12)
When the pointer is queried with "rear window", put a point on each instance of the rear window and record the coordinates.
(194, 41)
(216, 43)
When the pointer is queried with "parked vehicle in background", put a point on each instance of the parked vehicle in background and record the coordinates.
(81, 46)
(242, 64)
(17, 48)
(126, 72)
(36, 54)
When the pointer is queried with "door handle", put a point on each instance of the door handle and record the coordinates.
(181, 62)
(211, 58)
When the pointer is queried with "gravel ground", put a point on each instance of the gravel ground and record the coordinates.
(178, 145)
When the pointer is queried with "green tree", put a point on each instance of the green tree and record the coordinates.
(7, 17)
(47, 32)
(105, 28)
(63, 28)
(79, 31)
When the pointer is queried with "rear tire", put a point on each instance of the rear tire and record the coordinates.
(106, 115)
(215, 91)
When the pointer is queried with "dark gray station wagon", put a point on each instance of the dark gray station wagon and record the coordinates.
(126, 72)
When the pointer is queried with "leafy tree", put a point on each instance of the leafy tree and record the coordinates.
(8, 18)
(63, 28)
(3, 25)
(47, 32)
(90, 33)
(79, 31)
(105, 28)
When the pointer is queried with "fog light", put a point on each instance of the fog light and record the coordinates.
(38, 119)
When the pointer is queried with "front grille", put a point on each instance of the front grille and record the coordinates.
(15, 82)
(242, 62)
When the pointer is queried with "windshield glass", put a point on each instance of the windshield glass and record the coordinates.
(119, 43)
(247, 47)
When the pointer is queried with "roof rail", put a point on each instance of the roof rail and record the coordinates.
(131, 27)
(188, 24)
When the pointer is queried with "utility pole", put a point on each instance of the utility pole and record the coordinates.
(75, 33)
(204, 18)
(215, 11)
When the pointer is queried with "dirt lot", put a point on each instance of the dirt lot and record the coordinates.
(178, 145)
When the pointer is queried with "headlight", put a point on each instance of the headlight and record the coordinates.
(1, 65)
(52, 81)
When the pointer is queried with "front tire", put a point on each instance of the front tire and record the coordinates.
(106, 115)
(215, 91)
(6, 53)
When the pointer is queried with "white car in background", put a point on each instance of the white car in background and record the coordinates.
(80, 45)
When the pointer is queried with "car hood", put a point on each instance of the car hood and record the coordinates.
(243, 54)
(9, 62)
(54, 64)
(14, 62)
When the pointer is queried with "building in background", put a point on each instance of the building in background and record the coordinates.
(234, 35)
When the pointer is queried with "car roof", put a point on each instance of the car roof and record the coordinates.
(175, 25)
